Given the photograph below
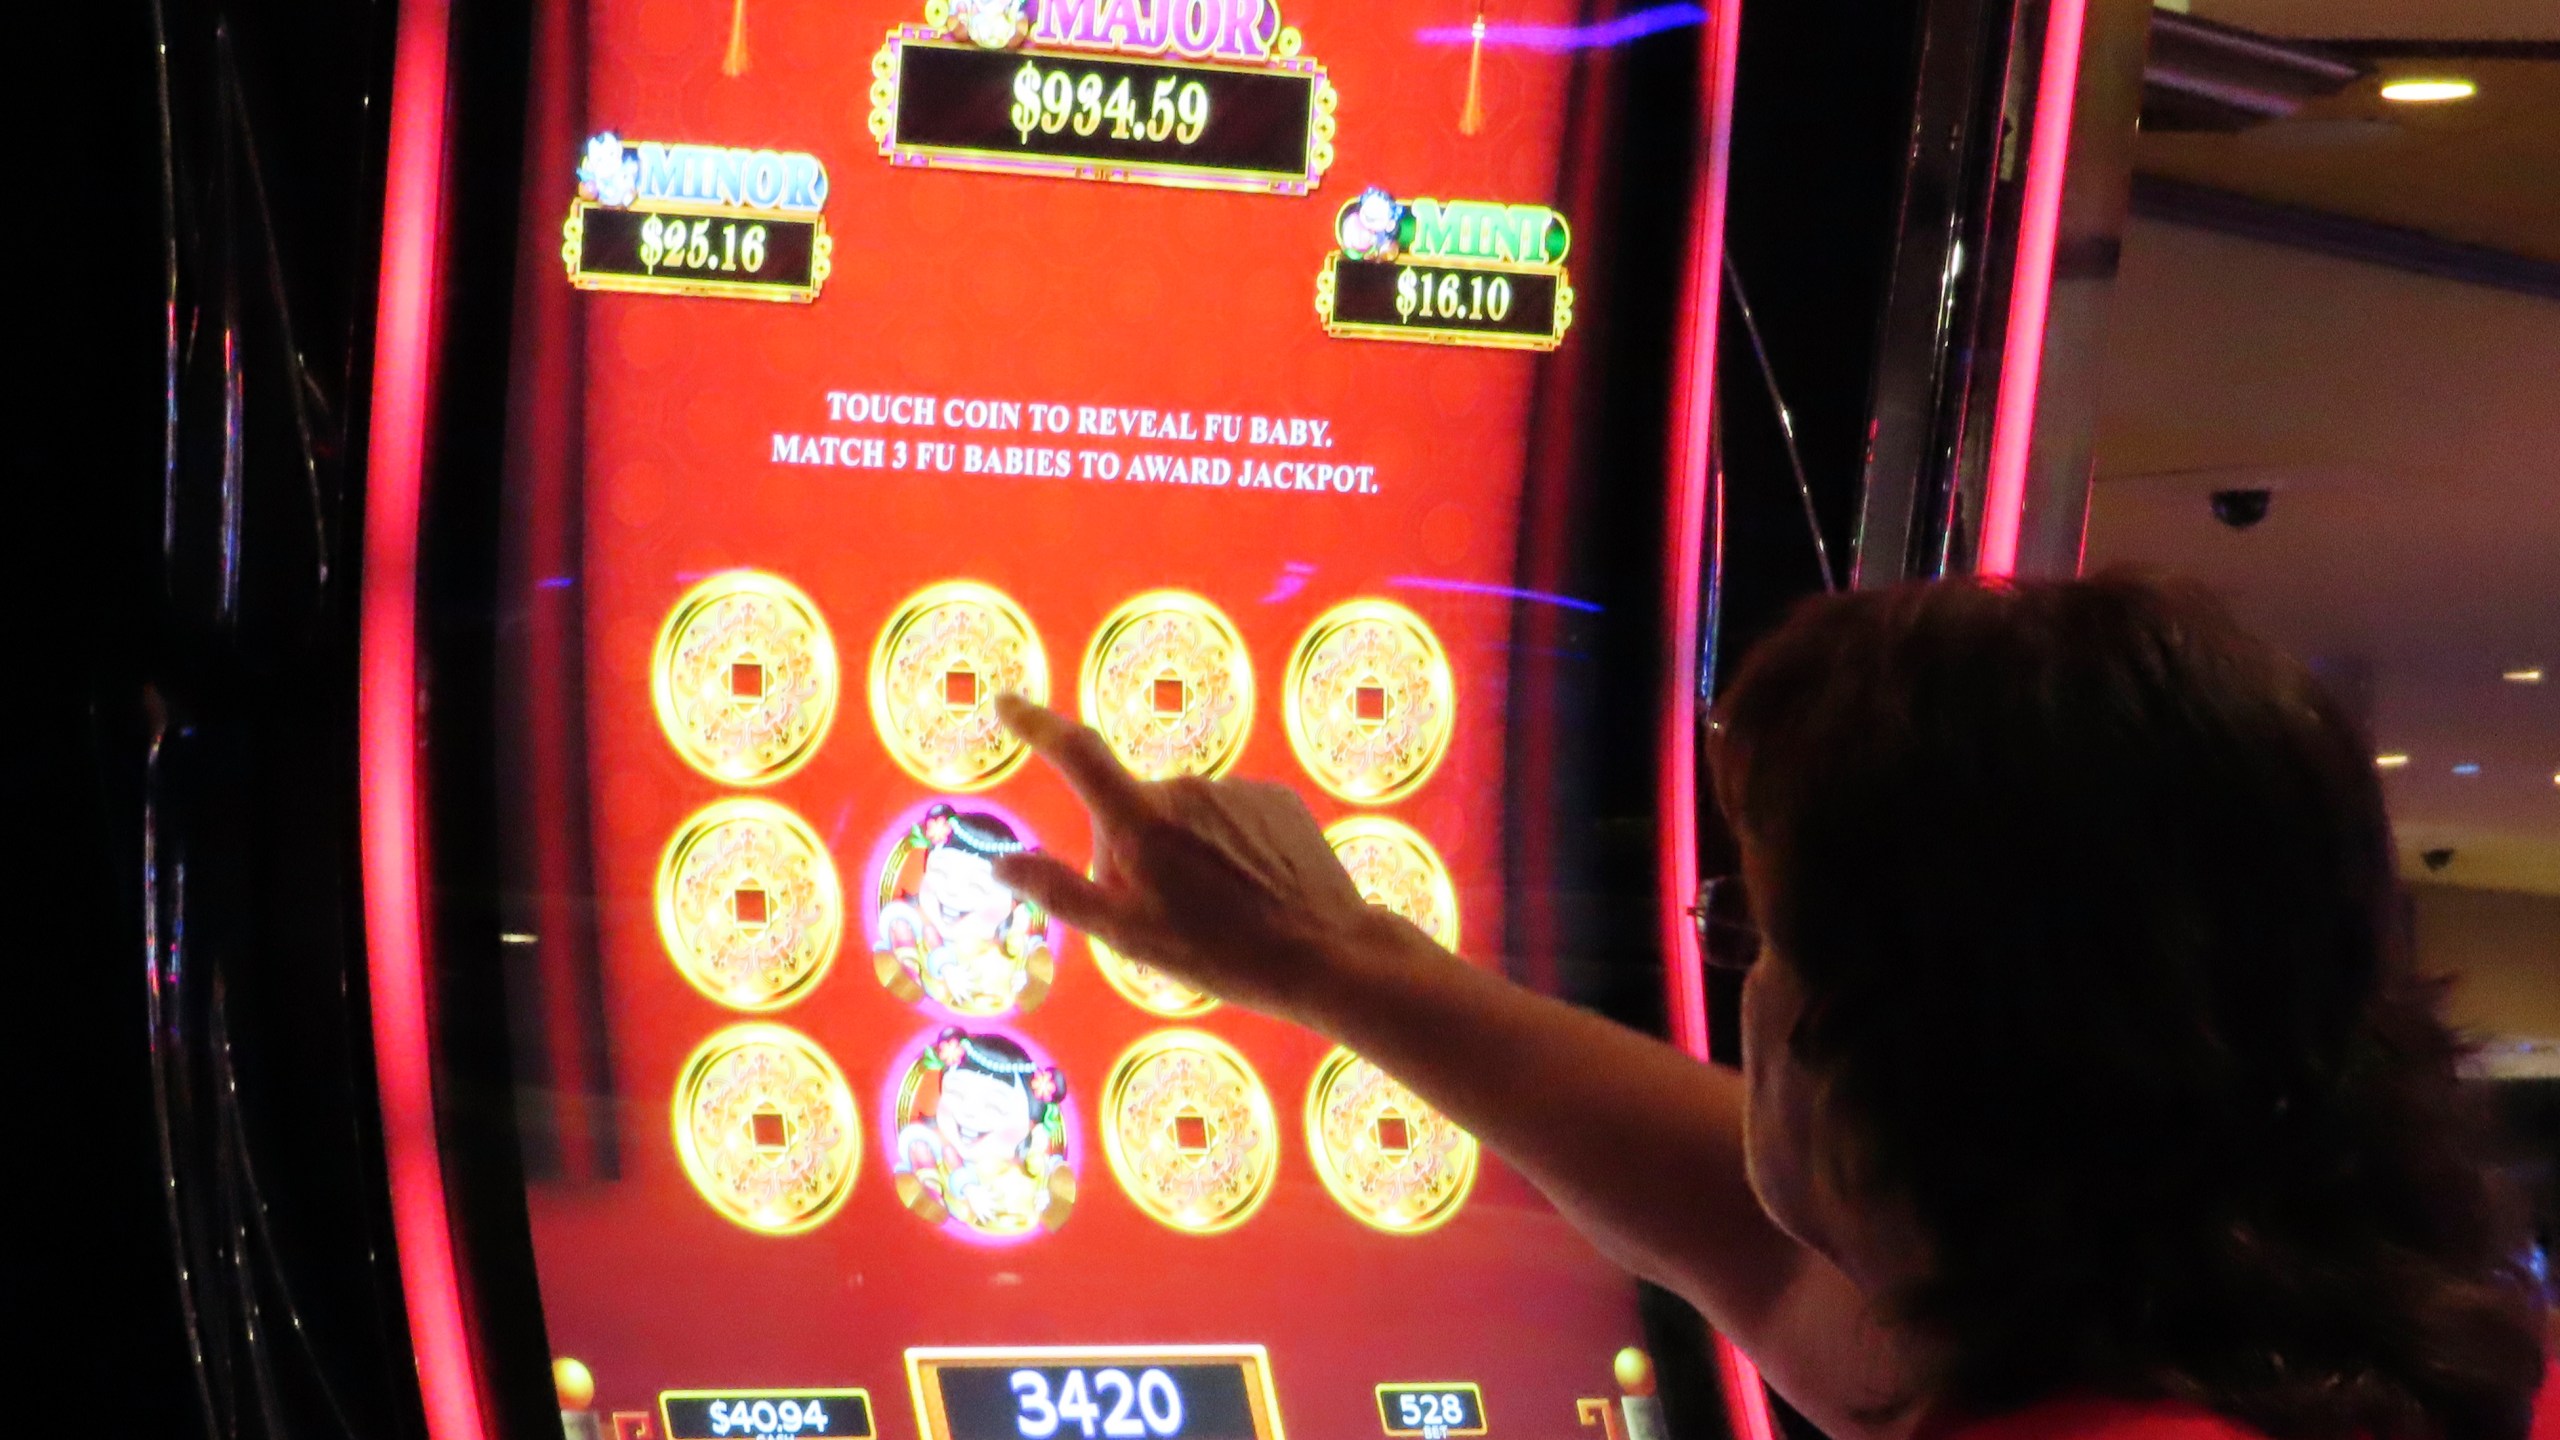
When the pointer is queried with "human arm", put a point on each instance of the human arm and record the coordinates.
(1231, 888)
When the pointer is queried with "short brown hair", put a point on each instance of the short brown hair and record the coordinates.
(2093, 901)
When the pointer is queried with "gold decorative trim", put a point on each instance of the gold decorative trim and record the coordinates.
(573, 248)
(1428, 335)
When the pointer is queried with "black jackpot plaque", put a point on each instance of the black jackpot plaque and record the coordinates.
(1063, 112)
(696, 252)
(1448, 304)
(766, 1414)
(1184, 1393)
(1431, 1411)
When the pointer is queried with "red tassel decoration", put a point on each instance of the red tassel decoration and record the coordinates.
(734, 63)
(1471, 116)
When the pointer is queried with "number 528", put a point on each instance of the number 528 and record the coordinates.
(1427, 1411)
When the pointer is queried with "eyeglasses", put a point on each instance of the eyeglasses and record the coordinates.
(1727, 938)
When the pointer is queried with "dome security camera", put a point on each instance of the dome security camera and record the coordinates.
(2435, 860)
(2241, 509)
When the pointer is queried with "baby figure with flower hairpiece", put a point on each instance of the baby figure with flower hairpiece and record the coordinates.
(947, 931)
(982, 1137)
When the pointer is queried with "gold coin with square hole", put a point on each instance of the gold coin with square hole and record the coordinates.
(744, 678)
(1396, 869)
(1189, 1132)
(1369, 702)
(749, 907)
(940, 663)
(1395, 1163)
(1169, 687)
(766, 1129)
(1147, 987)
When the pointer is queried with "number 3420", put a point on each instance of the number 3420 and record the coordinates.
(1109, 1404)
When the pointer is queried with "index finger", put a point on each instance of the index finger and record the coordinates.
(1115, 796)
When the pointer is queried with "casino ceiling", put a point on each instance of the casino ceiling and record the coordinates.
(2354, 305)
(2479, 172)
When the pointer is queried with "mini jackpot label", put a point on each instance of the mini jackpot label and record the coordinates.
(669, 219)
(1203, 1392)
(766, 1414)
(1433, 1410)
(1447, 272)
(1209, 94)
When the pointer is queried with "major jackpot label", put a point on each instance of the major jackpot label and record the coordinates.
(1206, 94)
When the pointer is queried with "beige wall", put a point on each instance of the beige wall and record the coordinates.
(2405, 426)
(2503, 948)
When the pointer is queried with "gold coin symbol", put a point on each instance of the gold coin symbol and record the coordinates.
(744, 678)
(1169, 686)
(1145, 986)
(1394, 1162)
(1189, 1132)
(1369, 702)
(1395, 868)
(936, 671)
(748, 904)
(766, 1129)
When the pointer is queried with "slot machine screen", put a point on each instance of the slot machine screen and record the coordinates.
(1193, 366)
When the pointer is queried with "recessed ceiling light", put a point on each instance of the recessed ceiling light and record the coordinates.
(2467, 767)
(2429, 91)
(2522, 675)
(2392, 761)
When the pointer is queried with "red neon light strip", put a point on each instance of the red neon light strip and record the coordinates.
(395, 923)
(2031, 293)
(1751, 1417)
(1693, 398)
(1692, 456)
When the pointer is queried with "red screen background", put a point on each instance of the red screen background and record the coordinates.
(958, 285)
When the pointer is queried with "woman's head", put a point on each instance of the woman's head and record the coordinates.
(2085, 929)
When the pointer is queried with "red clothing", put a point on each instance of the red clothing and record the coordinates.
(2093, 1420)
(2157, 1420)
